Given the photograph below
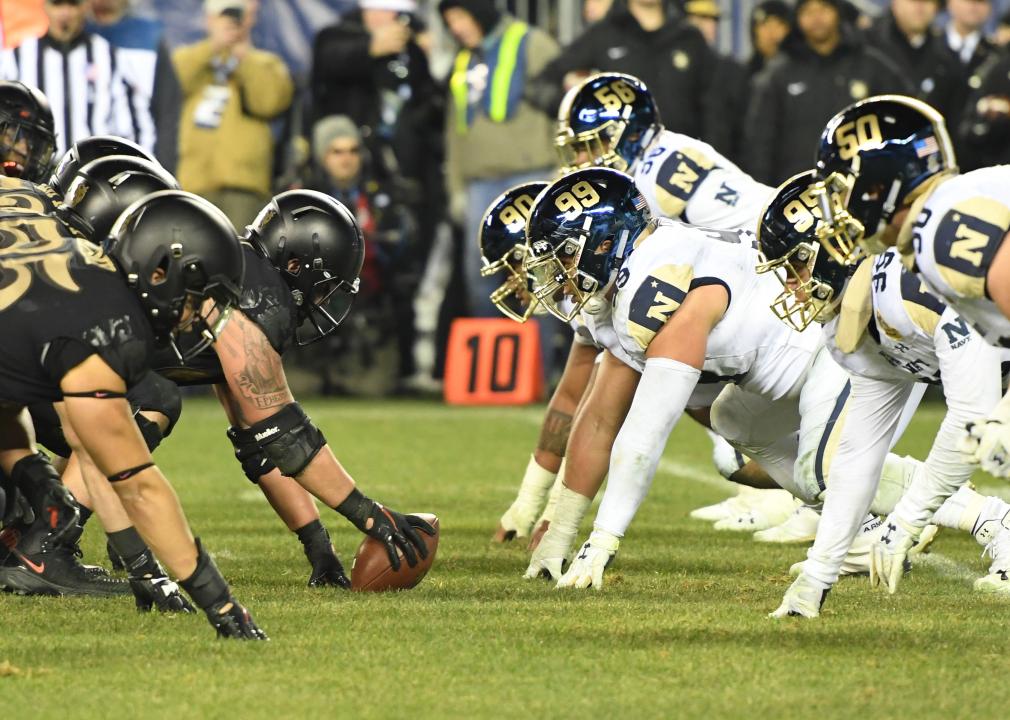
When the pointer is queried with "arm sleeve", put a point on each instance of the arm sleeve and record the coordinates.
(872, 419)
(662, 393)
(265, 84)
(970, 371)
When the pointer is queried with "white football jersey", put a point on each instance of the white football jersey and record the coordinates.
(749, 346)
(955, 237)
(688, 180)
(912, 336)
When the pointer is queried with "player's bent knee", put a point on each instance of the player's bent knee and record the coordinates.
(289, 439)
(255, 463)
(159, 395)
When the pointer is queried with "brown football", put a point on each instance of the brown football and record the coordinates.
(371, 571)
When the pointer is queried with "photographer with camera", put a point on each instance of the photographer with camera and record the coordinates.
(232, 91)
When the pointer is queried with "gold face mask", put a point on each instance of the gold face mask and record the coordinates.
(804, 299)
(840, 234)
(556, 283)
(590, 149)
(514, 297)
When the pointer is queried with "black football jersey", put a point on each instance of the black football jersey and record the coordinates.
(61, 300)
(266, 300)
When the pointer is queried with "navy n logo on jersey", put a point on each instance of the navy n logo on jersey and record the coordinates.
(655, 300)
(727, 195)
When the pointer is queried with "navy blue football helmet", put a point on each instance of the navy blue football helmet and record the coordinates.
(789, 241)
(503, 249)
(608, 119)
(581, 230)
(878, 155)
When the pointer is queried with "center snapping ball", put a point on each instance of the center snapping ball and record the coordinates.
(372, 572)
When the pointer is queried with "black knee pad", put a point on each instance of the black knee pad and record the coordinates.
(289, 439)
(255, 463)
(155, 393)
(150, 430)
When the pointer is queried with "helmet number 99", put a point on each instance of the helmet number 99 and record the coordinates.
(581, 196)
(853, 135)
(615, 95)
(517, 212)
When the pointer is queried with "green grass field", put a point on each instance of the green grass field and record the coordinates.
(679, 631)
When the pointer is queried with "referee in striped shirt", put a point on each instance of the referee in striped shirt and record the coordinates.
(77, 72)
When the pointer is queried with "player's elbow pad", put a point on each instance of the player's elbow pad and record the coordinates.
(289, 439)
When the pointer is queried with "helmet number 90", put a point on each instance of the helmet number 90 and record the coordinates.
(853, 135)
(615, 95)
(517, 212)
(581, 196)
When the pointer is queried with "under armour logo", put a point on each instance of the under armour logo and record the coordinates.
(585, 552)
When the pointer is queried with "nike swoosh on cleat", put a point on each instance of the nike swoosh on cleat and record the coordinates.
(31, 566)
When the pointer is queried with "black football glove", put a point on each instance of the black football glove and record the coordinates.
(327, 571)
(14, 506)
(159, 593)
(211, 593)
(231, 620)
(393, 530)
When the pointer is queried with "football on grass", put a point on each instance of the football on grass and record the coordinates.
(371, 571)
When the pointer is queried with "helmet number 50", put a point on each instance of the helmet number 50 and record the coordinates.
(581, 196)
(853, 135)
(615, 95)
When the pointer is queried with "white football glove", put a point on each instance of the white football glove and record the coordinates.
(986, 443)
(591, 560)
(519, 519)
(804, 598)
(889, 552)
(550, 555)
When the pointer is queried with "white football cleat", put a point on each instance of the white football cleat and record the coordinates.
(857, 560)
(800, 527)
(733, 505)
(997, 581)
(804, 598)
(765, 510)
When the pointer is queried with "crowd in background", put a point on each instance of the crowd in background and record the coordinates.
(417, 114)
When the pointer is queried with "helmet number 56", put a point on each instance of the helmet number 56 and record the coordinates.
(615, 95)
(853, 135)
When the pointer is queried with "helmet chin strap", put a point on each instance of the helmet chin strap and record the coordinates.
(598, 302)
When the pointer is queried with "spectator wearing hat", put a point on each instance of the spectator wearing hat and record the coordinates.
(153, 91)
(231, 93)
(823, 66)
(906, 35)
(731, 84)
(647, 39)
(494, 138)
(769, 25)
(343, 170)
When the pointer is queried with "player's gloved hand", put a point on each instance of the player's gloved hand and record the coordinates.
(519, 519)
(328, 572)
(889, 553)
(591, 560)
(538, 534)
(211, 593)
(548, 559)
(37, 480)
(14, 506)
(395, 531)
(804, 598)
(986, 443)
(159, 593)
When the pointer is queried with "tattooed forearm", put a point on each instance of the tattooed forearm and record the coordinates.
(261, 376)
(555, 431)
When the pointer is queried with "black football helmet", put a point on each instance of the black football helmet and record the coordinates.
(608, 119)
(182, 258)
(88, 149)
(502, 241)
(812, 280)
(104, 188)
(27, 135)
(878, 155)
(315, 243)
(579, 233)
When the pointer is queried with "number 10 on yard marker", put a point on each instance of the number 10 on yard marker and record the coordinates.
(493, 361)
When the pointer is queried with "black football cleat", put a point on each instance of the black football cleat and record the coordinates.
(37, 565)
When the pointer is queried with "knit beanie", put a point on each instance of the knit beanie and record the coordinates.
(483, 11)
